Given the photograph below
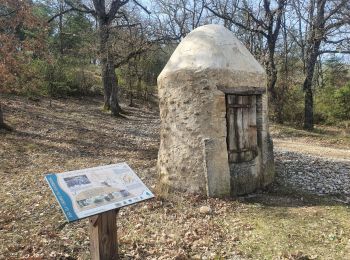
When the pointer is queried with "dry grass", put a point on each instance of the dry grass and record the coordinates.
(77, 134)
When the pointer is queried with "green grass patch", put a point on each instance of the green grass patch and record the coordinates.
(315, 230)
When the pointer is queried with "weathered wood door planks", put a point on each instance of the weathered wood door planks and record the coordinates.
(241, 127)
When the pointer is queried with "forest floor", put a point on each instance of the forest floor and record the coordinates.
(303, 215)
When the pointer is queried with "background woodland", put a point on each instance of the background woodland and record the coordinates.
(117, 48)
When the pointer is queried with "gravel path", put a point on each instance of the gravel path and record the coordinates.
(313, 174)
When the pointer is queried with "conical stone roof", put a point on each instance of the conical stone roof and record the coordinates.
(213, 47)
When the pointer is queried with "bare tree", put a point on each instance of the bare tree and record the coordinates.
(283, 80)
(3, 125)
(326, 26)
(60, 5)
(263, 19)
(106, 14)
(177, 18)
(131, 40)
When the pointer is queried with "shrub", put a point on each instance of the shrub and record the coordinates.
(83, 81)
(293, 109)
(56, 80)
(332, 105)
(63, 79)
(342, 103)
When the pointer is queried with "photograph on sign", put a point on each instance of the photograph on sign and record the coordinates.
(91, 191)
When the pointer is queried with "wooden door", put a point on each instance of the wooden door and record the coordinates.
(241, 128)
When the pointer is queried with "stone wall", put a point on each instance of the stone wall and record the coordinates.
(193, 150)
(209, 63)
(192, 114)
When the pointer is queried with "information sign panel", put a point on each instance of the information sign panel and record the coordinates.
(87, 192)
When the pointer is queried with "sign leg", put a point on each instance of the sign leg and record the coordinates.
(103, 236)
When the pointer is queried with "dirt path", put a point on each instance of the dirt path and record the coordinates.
(299, 146)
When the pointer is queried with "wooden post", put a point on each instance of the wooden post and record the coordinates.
(103, 236)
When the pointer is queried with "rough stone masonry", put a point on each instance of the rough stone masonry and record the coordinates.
(213, 109)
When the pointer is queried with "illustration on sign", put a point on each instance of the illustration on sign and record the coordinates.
(91, 191)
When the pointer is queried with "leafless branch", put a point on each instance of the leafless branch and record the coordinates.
(73, 8)
(142, 7)
(226, 17)
(59, 14)
(9, 13)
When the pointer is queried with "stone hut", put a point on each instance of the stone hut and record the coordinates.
(214, 124)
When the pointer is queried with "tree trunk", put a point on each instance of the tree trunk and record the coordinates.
(279, 114)
(107, 88)
(308, 92)
(109, 77)
(139, 86)
(271, 82)
(115, 108)
(316, 34)
(1, 117)
(2, 122)
(131, 104)
(309, 109)
(60, 26)
(307, 87)
(271, 72)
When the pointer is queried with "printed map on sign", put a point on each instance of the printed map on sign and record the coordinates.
(88, 192)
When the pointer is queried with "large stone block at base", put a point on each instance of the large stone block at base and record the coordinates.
(216, 168)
